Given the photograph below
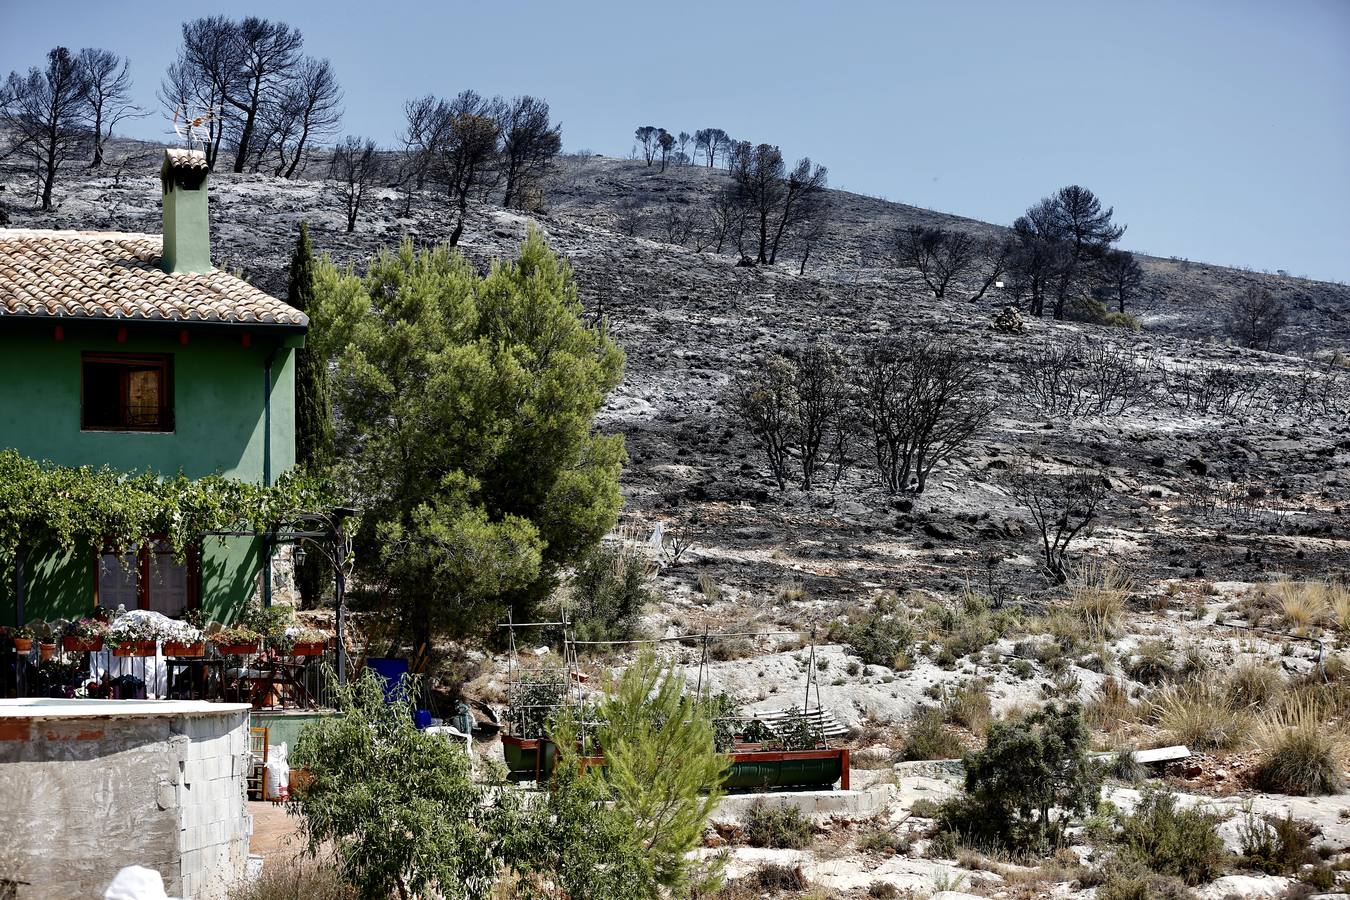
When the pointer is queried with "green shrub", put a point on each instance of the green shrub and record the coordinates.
(924, 808)
(1275, 845)
(1320, 878)
(943, 845)
(1172, 841)
(1033, 776)
(374, 774)
(882, 638)
(969, 706)
(927, 736)
(882, 840)
(781, 826)
(610, 590)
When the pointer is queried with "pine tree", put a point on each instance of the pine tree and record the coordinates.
(663, 767)
(313, 414)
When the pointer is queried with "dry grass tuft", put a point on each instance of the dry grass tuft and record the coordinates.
(1111, 708)
(1097, 593)
(295, 882)
(1253, 685)
(1303, 753)
(1197, 714)
(1302, 604)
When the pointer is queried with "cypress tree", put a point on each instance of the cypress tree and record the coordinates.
(313, 414)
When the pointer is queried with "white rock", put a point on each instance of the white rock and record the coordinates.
(1245, 886)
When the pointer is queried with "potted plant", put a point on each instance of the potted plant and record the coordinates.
(181, 638)
(46, 639)
(22, 636)
(84, 636)
(306, 642)
(270, 622)
(133, 634)
(236, 640)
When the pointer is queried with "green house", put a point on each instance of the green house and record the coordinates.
(131, 351)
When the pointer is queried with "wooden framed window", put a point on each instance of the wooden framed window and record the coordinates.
(124, 392)
(148, 579)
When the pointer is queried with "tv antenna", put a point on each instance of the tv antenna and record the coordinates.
(190, 130)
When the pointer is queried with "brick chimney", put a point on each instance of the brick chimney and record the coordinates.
(187, 233)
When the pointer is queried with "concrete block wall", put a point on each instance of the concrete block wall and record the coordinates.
(85, 795)
(213, 815)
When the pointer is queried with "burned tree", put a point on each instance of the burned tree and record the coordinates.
(1121, 278)
(776, 200)
(1256, 319)
(269, 57)
(936, 255)
(919, 401)
(646, 137)
(793, 404)
(356, 166)
(1062, 506)
(529, 143)
(995, 257)
(682, 141)
(107, 95)
(1060, 243)
(427, 119)
(43, 112)
(713, 142)
(665, 141)
(467, 155)
(305, 116)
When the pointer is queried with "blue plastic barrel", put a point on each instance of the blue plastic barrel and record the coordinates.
(394, 672)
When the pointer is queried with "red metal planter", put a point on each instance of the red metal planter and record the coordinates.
(309, 648)
(135, 648)
(197, 649)
(237, 649)
(74, 644)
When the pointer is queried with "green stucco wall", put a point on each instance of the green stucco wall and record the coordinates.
(217, 398)
(218, 428)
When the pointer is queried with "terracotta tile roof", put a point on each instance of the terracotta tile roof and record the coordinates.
(112, 275)
(179, 158)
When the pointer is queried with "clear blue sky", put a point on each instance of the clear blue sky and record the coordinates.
(1218, 129)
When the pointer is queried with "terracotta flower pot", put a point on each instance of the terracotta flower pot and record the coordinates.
(245, 649)
(23, 645)
(47, 651)
(175, 649)
(75, 644)
(135, 648)
(308, 648)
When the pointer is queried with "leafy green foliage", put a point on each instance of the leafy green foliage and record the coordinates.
(665, 773)
(45, 505)
(313, 411)
(611, 588)
(884, 637)
(1171, 840)
(927, 736)
(1275, 845)
(778, 825)
(572, 843)
(1031, 778)
(396, 805)
(465, 413)
(535, 703)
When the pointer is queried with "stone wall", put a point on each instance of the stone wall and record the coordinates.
(91, 786)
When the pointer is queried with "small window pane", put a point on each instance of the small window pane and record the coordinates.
(118, 578)
(168, 582)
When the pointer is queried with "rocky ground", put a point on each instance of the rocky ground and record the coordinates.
(1273, 463)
